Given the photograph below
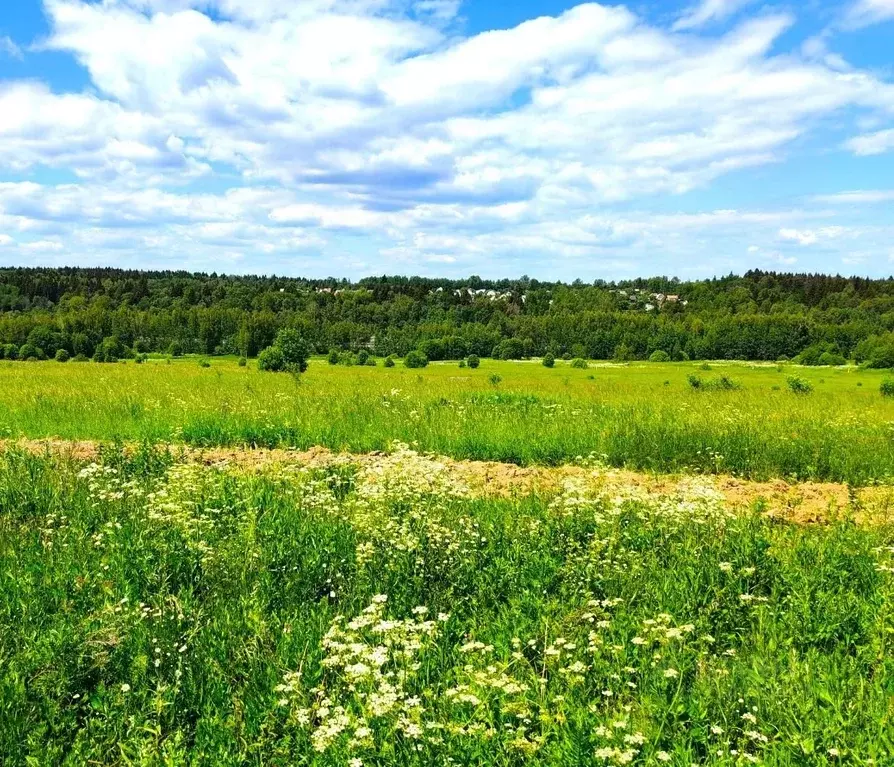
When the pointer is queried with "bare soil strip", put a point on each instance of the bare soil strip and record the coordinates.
(802, 502)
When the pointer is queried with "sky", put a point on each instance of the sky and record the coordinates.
(448, 137)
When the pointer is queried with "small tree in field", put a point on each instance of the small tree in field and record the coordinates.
(289, 352)
(415, 359)
(473, 361)
(549, 361)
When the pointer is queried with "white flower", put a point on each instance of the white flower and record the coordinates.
(671, 673)
(663, 756)
(125, 687)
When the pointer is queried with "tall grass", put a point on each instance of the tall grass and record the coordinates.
(157, 613)
(640, 416)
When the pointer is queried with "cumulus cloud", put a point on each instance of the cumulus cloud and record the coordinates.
(336, 120)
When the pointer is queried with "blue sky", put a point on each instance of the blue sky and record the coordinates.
(448, 137)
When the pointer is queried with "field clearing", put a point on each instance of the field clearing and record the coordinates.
(642, 416)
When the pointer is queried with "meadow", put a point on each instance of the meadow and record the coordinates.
(160, 611)
(644, 416)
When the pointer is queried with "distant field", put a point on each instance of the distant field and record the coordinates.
(642, 416)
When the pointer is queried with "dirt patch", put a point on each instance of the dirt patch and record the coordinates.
(803, 502)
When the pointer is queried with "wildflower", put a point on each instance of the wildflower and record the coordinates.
(671, 673)
(834, 752)
(663, 756)
(125, 687)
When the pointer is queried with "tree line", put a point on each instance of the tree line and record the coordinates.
(113, 313)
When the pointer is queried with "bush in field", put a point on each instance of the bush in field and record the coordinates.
(549, 361)
(109, 350)
(389, 361)
(579, 363)
(495, 379)
(61, 355)
(876, 351)
(140, 358)
(289, 352)
(462, 363)
(659, 355)
(799, 385)
(371, 362)
(623, 353)
(203, 363)
(473, 361)
(694, 381)
(832, 359)
(29, 352)
(80, 358)
(334, 357)
(362, 357)
(722, 383)
(294, 349)
(175, 349)
(272, 360)
(510, 349)
(887, 387)
(243, 362)
(10, 352)
(415, 359)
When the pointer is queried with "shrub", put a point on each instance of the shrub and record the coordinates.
(333, 358)
(659, 356)
(462, 363)
(203, 363)
(80, 358)
(140, 358)
(294, 349)
(243, 362)
(27, 352)
(832, 358)
(362, 357)
(704, 366)
(694, 381)
(579, 363)
(549, 361)
(175, 349)
(272, 360)
(876, 351)
(495, 379)
(566, 356)
(370, 362)
(473, 361)
(415, 359)
(62, 355)
(10, 352)
(798, 385)
(887, 388)
(389, 361)
(623, 353)
(510, 349)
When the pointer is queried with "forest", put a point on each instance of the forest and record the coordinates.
(107, 314)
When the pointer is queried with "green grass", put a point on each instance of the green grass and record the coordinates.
(161, 614)
(642, 416)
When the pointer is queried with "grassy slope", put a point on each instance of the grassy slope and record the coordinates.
(643, 416)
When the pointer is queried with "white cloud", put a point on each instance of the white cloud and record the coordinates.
(865, 12)
(372, 125)
(707, 11)
(857, 197)
(5, 239)
(872, 143)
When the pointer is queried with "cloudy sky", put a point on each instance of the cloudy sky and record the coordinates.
(449, 137)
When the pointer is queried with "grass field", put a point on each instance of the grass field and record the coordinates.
(163, 613)
(642, 416)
